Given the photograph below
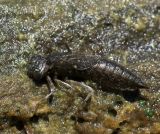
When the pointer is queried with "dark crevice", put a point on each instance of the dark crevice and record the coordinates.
(20, 123)
(78, 119)
(112, 111)
(116, 131)
(17, 122)
(34, 119)
(123, 123)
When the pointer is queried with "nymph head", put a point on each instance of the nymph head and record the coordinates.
(37, 67)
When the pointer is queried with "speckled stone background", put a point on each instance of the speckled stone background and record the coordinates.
(126, 31)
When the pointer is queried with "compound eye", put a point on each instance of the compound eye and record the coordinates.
(37, 67)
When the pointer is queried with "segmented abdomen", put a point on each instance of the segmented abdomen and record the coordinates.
(111, 75)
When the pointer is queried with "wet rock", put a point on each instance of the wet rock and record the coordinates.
(124, 31)
(18, 104)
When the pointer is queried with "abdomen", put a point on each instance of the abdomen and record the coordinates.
(112, 76)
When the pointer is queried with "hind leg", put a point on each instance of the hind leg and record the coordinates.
(89, 90)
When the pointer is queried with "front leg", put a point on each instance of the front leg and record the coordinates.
(51, 87)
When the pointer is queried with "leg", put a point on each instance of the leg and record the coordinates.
(51, 87)
(63, 86)
(89, 90)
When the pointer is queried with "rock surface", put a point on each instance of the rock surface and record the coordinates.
(124, 31)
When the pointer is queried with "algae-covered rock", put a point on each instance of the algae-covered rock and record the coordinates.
(124, 31)
(18, 103)
(24, 108)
